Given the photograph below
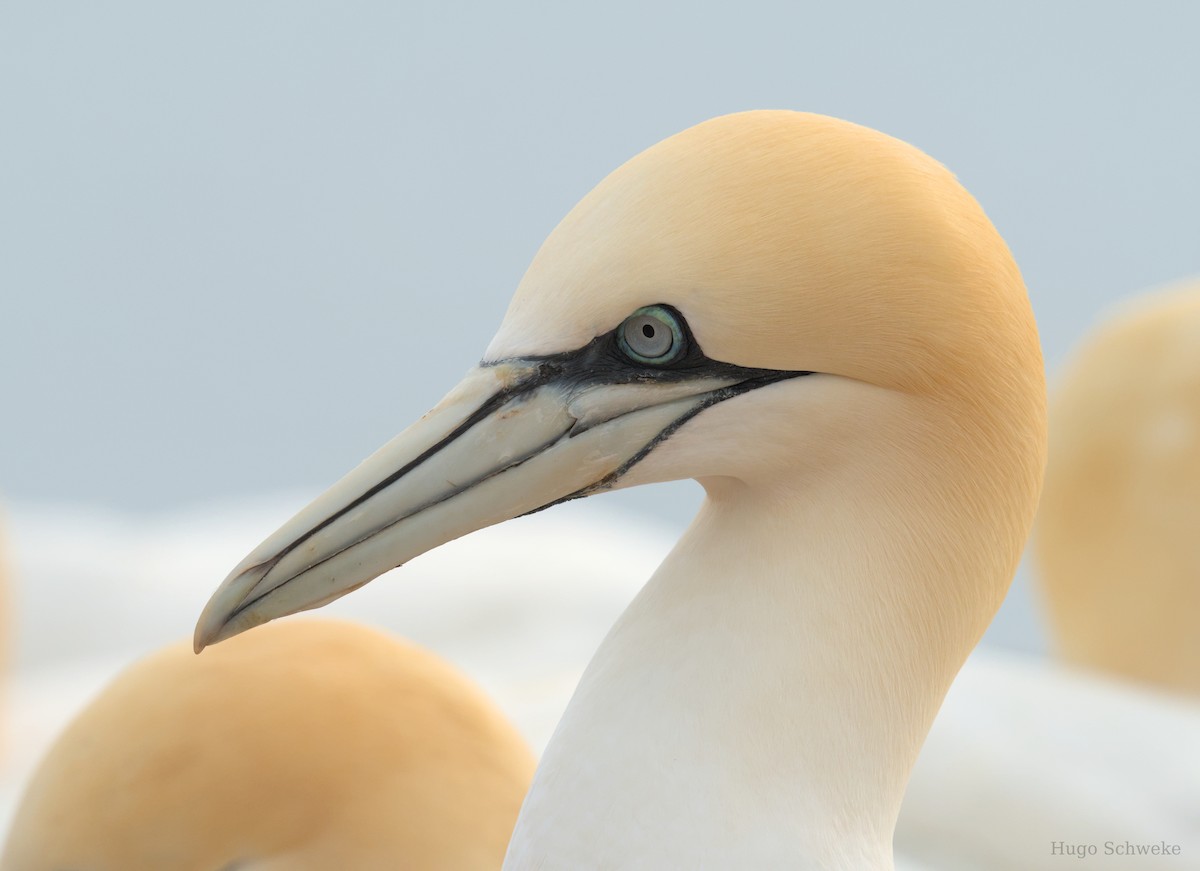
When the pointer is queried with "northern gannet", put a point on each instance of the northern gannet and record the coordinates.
(317, 745)
(818, 323)
(1115, 543)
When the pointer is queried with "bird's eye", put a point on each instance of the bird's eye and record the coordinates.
(652, 335)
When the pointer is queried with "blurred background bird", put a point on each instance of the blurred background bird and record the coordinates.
(322, 744)
(1116, 549)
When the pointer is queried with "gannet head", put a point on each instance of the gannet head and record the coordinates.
(311, 744)
(729, 305)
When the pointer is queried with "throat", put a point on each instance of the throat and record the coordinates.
(759, 704)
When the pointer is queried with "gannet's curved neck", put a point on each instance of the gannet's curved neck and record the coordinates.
(762, 701)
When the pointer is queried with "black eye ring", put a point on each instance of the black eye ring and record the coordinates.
(652, 335)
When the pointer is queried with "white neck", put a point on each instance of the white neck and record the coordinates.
(761, 702)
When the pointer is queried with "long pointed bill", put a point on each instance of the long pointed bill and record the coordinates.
(511, 438)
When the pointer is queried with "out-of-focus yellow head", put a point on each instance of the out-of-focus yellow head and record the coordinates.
(311, 745)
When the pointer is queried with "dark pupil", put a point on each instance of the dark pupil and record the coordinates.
(648, 331)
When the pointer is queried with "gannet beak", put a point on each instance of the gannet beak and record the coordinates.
(513, 437)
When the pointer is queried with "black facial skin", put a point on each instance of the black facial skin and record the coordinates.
(601, 361)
